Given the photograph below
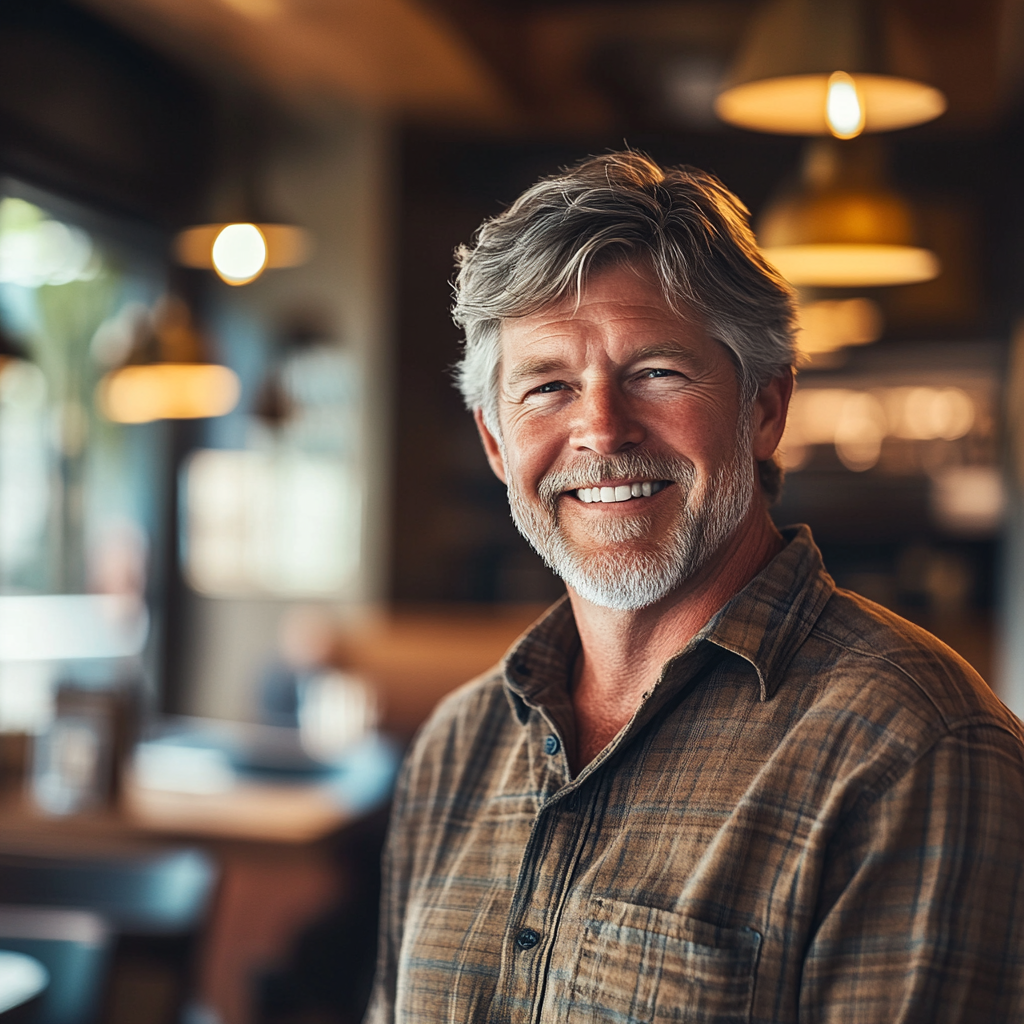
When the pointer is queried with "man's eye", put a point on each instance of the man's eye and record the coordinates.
(549, 388)
(660, 372)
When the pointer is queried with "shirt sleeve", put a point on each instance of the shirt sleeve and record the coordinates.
(394, 890)
(922, 898)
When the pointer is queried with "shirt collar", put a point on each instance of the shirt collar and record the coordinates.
(768, 620)
(765, 624)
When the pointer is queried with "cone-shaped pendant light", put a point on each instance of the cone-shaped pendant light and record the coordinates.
(843, 226)
(168, 375)
(818, 67)
(240, 241)
(240, 250)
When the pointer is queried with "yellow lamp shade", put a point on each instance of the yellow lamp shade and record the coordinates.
(844, 227)
(798, 104)
(852, 265)
(805, 67)
(156, 391)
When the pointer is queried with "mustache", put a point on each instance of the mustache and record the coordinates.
(635, 463)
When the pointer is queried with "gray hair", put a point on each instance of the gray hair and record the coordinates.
(622, 208)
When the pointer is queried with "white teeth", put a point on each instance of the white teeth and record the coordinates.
(621, 492)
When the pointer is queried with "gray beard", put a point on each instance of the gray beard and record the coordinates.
(629, 580)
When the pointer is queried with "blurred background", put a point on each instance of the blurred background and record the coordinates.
(247, 534)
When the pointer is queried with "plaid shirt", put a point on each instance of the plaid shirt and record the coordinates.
(816, 814)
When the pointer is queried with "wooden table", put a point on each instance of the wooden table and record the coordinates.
(273, 841)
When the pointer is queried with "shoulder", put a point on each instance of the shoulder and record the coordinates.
(901, 676)
(462, 731)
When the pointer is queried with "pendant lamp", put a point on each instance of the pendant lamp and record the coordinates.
(241, 240)
(819, 67)
(240, 250)
(168, 375)
(843, 226)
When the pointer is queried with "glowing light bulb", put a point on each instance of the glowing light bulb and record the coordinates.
(844, 106)
(239, 253)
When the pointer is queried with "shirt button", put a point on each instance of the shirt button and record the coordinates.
(527, 939)
(551, 745)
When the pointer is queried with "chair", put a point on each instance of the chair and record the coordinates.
(154, 902)
(74, 946)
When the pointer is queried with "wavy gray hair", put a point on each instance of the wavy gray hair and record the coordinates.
(681, 223)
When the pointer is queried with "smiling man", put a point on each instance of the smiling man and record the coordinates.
(707, 785)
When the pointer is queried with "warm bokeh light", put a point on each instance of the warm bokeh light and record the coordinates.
(969, 500)
(141, 394)
(797, 104)
(925, 414)
(832, 324)
(239, 253)
(857, 422)
(844, 108)
(852, 264)
(285, 245)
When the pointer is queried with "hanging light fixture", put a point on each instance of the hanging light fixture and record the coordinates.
(167, 375)
(815, 67)
(843, 226)
(240, 250)
(241, 241)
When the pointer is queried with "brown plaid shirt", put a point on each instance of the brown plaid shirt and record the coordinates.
(817, 814)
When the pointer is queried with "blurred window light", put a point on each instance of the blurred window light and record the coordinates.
(287, 524)
(844, 106)
(58, 627)
(26, 696)
(239, 253)
(832, 324)
(24, 463)
(35, 250)
(968, 500)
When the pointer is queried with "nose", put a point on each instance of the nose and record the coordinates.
(603, 420)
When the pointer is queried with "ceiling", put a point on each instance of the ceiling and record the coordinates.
(544, 66)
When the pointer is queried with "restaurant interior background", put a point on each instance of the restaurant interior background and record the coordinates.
(247, 533)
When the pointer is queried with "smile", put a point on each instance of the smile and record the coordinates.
(621, 492)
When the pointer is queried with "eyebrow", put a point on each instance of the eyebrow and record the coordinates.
(533, 368)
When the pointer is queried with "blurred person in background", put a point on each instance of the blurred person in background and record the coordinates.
(707, 784)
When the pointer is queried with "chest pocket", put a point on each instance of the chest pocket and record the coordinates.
(638, 965)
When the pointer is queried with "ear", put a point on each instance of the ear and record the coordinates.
(770, 409)
(491, 447)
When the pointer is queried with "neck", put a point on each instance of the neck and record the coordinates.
(622, 652)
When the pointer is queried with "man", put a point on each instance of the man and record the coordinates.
(707, 786)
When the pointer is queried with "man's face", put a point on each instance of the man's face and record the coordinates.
(612, 396)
